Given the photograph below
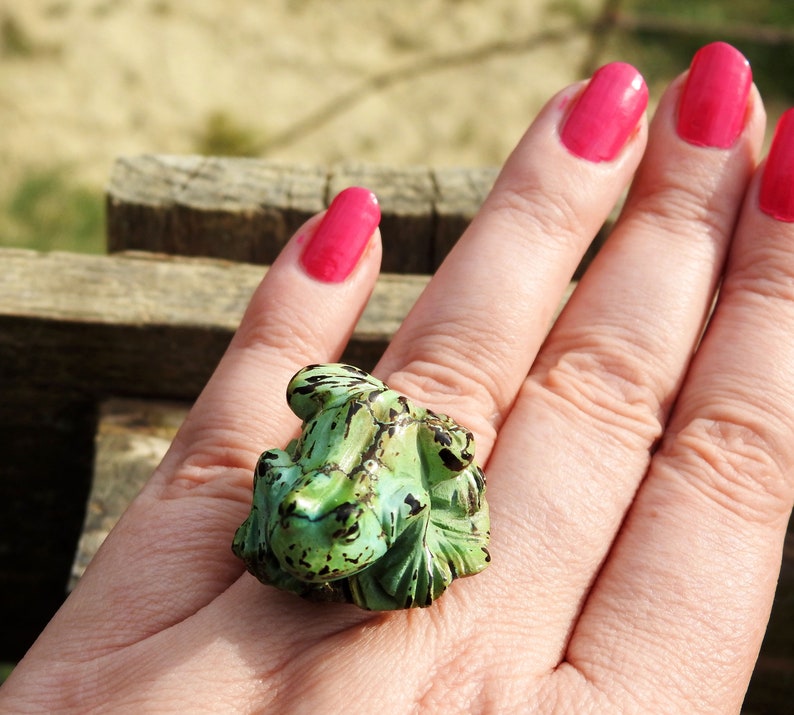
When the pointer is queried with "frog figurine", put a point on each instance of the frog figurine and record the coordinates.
(378, 502)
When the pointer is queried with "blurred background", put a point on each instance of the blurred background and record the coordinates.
(441, 83)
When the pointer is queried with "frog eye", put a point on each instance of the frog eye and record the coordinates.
(347, 514)
(446, 444)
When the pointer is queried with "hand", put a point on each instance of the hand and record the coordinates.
(639, 477)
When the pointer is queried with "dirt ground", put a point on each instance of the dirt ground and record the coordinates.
(432, 82)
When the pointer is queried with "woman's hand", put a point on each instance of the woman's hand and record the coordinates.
(639, 468)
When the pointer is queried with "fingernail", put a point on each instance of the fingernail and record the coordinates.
(606, 113)
(340, 239)
(714, 99)
(777, 184)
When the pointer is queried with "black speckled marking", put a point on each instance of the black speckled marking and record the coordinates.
(414, 504)
(451, 461)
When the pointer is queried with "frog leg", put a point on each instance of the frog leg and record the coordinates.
(459, 528)
(406, 576)
(274, 476)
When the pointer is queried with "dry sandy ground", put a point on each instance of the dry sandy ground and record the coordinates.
(434, 82)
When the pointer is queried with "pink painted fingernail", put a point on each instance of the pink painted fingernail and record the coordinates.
(606, 113)
(777, 184)
(714, 99)
(340, 239)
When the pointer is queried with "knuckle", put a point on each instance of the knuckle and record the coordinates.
(283, 345)
(610, 387)
(686, 203)
(740, 460)
(547, 213)
(463, 689)
(764, 275)
(295, 329)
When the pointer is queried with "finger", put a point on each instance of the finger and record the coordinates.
(599, 394)
(171, 551)
(469, 341)
(691, 579)
(304, 311)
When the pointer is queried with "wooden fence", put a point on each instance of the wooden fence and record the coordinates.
(100, 356)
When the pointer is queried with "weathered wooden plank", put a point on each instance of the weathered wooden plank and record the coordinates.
(137, 324)
(234, 208)
(245, 209)
(132, 437)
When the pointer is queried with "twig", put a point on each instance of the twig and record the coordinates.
(384, 80)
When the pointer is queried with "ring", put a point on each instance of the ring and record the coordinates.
(378, 502)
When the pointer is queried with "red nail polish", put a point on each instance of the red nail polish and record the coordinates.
(606, 113)
(340, 239)
(714, 99)
(777, 184)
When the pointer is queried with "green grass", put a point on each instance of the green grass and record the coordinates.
(5, 670)
(223, 135)
(14, 39)
(46, 210)
(16, 43)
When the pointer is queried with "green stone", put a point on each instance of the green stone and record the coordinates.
(379, 502)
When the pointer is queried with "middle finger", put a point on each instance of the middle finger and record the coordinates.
(469, 341)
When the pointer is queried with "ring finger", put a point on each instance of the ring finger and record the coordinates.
(613, 364)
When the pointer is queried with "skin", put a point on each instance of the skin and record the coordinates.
(639, 479)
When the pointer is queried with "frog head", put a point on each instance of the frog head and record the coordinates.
(325, 530)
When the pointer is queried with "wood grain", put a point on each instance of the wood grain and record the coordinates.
(246, 209)
(233, 208)
(144, 324)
